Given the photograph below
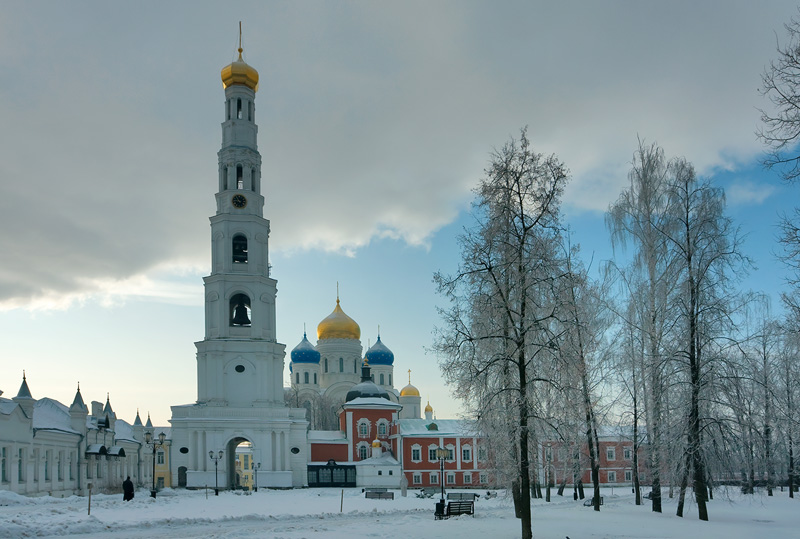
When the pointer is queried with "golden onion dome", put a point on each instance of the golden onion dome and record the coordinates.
(376, 443)
(239, 72)
(429, 408)
(338, 325)
(409, 390)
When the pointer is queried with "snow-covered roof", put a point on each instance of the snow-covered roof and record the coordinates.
(326, 436)
(96, 449)
(7, 406)
(386, 459)
(123, 431)
(417, 427)
(371, 402)
(49, 414)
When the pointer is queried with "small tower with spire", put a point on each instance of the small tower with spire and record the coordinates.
(24, 398)
(78, 411)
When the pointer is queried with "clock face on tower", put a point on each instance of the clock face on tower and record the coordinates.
(239, 201)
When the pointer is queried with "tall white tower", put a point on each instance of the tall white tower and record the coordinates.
(239, 362)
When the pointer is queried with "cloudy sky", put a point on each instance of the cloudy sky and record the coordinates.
(375, 121)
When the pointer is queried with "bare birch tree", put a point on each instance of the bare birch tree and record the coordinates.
(497, 331)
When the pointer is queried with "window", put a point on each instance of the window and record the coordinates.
(239, 109)
(326, 364)
(71, 467)
(250, 110)
(390, 379)
(36, 465)
(626, 453)
(315, 378)
(160, 455)
(548, 454)
(341, 364)
(467, 478)
(381, 429)
(628, 475)
(434, 478)
(239, 177)
(612, 477)
(481, 453)
(451, 455)
(432, 453)
(416, 478)
(382, 380)
(305, 377)
(160, 482)
(297, 378)
(483, 479)
(355, 366)
(228, 110)
(363, 428)
(390, 472)
(416, 453)
(451, 479)
(60, 469)
(47, 456)
(611, 453)
(466, 453)
(239, 248)
(380, 472)
(3, 466)
(362, 451)
(21, 466)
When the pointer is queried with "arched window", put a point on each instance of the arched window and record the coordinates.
(362, 452)
(341, 364)
(326, 364)
(253, 179)
(228, 109)
(239, 177)
(382, 379)
(240, 310)
(355, 366)
(239, 109)
(305, 377)
(315, 378)
(390, 379)
(297, 378)
(250, 110)
(382, 429)
(239, 244)
(363, 428)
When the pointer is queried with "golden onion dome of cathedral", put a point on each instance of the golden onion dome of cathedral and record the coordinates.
(239, 72)
(409, 390)
(338, 325)
(429, 408)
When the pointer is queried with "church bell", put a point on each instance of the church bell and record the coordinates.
(240, 316)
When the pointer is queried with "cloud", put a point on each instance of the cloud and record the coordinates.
(375, 120)
(747, 192)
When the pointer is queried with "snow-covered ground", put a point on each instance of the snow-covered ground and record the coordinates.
(309, 513)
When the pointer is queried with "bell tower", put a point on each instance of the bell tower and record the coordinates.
(239, 362)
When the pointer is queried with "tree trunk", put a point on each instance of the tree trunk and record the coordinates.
(684, 484)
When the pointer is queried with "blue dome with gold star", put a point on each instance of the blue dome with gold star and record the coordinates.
(379, 354)
(305, 352)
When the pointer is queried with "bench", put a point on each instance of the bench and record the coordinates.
(378, 494)
(460, 508)
(590, 502)
(462, 496)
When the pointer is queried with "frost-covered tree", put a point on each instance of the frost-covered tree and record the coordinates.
(496, 341)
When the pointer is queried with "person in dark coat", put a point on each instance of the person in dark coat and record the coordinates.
(127, 489)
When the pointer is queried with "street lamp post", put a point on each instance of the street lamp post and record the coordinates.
(257, 467)
(441, 454)
(149, 440)
(216, 459)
